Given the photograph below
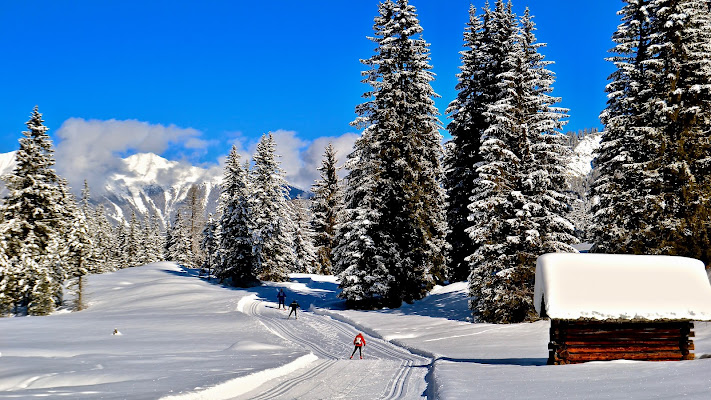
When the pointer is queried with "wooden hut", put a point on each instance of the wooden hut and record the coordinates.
(609, 307)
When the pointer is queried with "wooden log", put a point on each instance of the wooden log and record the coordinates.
(627, 336)
(689, 345)
(625, 349)
(655, 356)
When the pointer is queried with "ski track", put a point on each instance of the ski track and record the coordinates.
(386, 371)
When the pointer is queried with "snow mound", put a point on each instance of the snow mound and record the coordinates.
(622, 287)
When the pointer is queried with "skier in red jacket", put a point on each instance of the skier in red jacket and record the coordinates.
(359, 342)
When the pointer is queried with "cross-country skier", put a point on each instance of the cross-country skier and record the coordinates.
(281, 296)
(294, 305)
(359, 342)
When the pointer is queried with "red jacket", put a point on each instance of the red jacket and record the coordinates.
(357, 342)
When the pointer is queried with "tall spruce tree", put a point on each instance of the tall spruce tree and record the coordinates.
(180, 247)
(517, 206)
(81, 250)
(466, 129)
(273, 223)
(326, 205)
(304, 249)
(235, 255)
(105, 242)
(33, 224)
(209, 245)
(628, 185)
(654, 157)
(398, 160)
(682, 41)
(195, 216)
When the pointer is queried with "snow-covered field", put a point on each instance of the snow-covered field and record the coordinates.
(181, 337)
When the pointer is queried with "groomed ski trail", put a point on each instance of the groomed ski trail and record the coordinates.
(386, 371)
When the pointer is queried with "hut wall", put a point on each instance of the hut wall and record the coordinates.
(577, 341)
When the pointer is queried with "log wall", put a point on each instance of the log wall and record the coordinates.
(578, 341)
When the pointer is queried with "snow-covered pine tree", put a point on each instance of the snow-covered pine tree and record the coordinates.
(398, 157)
(494, 231)
(155, 242)
(304, 250)
(81, 250)
(121, 240)
(628, 185)
(273, 224)
(235, 261)
(519, 207)
(180, 247)
(326, 206)
(134, 238)
(105, 242)
(195, 215)
(151, 240)
(467, 127)
(209, 244)
(33, 222)
(654, 156)
(6, 298)
(681, 52)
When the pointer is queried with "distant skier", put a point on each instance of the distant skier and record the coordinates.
(281, 296)
(294, 305)
(359, 342)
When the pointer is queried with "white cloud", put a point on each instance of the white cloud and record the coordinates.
(301, 160)
(91, 149)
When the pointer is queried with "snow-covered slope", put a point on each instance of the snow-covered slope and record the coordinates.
(182, 337)
(583, 154)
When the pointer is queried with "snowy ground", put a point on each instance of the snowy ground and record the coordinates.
(181, 337)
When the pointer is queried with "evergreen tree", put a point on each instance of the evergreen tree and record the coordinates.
(304, 250)
(628, 187)
(518, 206)
(33, 221)
(105, 242)
(195, 216)
(180, 247)
(682, 46)
(155, 240)
(326, 205)
(235, 255)
(6, 272)
(81, 250)
(398, 157)
(467, 127)
(122, 244)
(133, 251)
(209, 245)
(654, 155)
(273, 226)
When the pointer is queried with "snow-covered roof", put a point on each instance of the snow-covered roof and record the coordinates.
(622, 287)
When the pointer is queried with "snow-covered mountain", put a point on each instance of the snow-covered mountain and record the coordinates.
(583, 154)
(150, 184)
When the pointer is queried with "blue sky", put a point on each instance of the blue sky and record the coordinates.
(202, 75)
